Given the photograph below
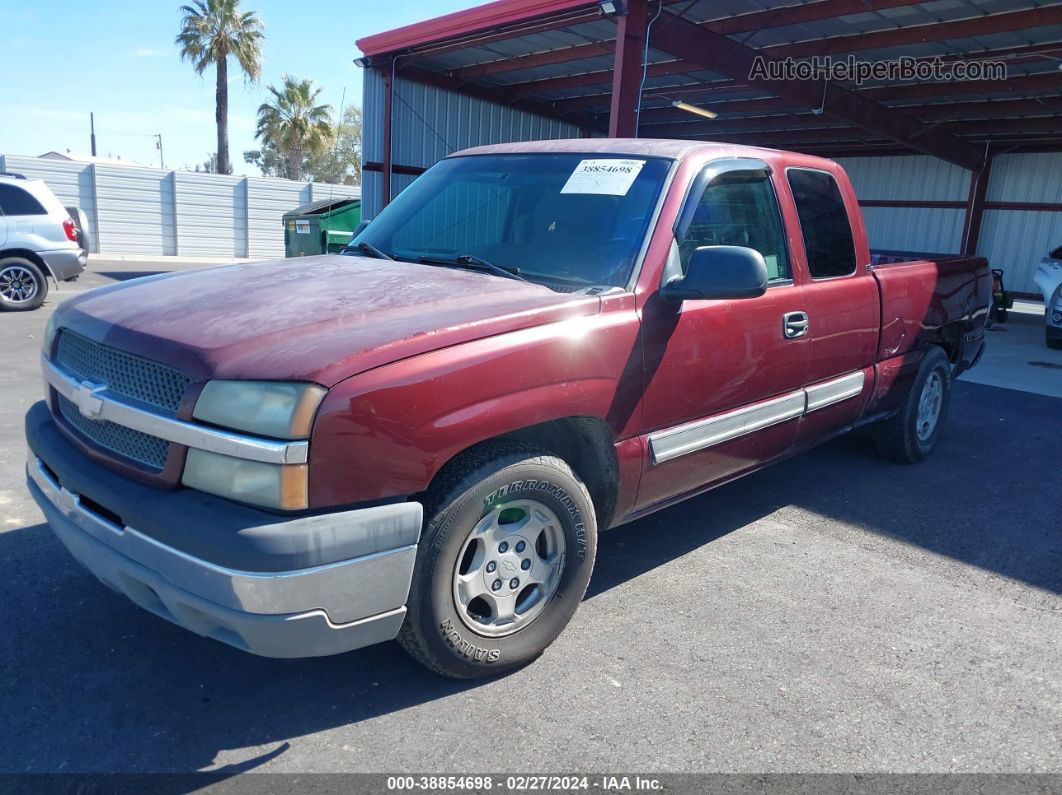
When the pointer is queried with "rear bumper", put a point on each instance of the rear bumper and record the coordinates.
(307, 611)
(65, 263)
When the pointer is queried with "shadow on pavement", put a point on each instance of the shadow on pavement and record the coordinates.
(95, 684)
(123, 276)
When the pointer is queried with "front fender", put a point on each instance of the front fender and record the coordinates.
(387, 432)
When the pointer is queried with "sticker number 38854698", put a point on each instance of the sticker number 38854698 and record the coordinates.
(607, 176)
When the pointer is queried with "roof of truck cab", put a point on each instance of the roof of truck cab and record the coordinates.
(638, 147)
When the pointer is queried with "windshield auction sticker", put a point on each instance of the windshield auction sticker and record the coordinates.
(606, 176)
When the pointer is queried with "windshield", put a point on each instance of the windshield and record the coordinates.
(569, 218)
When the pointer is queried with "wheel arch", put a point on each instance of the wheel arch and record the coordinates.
(586, 444)
(32, 256)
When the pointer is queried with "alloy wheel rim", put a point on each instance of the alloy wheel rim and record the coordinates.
(929, 406)
(509, 568)
(17, 284)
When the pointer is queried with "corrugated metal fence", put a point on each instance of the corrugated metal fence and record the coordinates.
(135, 210)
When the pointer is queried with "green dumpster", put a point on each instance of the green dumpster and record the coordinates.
(321, 226)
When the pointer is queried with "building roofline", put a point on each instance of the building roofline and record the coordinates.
(460, 23)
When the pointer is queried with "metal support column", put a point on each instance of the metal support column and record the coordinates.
(627, 70)
(385, 195)
(975, 208)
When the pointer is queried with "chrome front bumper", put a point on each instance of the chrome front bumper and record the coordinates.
(325, 609)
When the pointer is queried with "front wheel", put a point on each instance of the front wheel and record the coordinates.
(504, 560)
(1053, 342)
(911, 435)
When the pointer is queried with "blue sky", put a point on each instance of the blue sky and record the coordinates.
(64, 58)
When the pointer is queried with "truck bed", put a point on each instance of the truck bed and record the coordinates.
(931, 298)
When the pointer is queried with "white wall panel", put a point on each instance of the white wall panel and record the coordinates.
(910, 177)
(914, 229)
(135, 210)
(1026, 177)
(267, 201)
(1016, 241)
(211, 215)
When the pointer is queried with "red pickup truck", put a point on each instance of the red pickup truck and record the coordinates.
(534, 342)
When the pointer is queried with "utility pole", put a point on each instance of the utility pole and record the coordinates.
(158, 145)
(92, 135)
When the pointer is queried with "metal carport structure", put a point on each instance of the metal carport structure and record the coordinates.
(518, 69)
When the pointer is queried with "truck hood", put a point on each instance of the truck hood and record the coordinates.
(319, 319)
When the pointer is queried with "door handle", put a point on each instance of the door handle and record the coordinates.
(794, 325)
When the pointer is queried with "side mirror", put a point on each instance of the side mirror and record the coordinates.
(359, 229)
(719, 272)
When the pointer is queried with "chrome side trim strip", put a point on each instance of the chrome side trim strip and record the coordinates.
(98, 403)
(830, 392)
(697, 435)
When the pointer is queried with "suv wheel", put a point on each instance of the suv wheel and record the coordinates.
(22, 285)
(504, 560)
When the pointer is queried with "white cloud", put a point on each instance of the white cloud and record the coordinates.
(146, 52)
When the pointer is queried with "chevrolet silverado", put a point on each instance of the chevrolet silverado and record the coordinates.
(422, 437)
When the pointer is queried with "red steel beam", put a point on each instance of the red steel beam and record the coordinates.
(744, 23)
(796, 14)
(602, 77)
(1022, 84)
(689, 42)
(627, 71)
(919, 34)
(525, 29)
(975, 208)
(800, 128)
(656, 118)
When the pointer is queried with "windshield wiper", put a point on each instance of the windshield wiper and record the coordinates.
(479, 264)
(372, 251)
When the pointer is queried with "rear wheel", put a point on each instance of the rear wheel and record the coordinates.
(506, 555)
(23, 285)
(911, 435)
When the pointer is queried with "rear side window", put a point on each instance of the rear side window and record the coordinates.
(1056, 254)
(824, 223)
(15, 201)
(739, 209)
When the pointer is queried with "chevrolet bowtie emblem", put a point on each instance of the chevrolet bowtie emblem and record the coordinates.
(86, 398)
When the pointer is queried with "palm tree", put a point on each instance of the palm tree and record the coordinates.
(211, 31)
(293, 124)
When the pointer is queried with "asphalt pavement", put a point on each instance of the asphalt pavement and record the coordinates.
(836, 612)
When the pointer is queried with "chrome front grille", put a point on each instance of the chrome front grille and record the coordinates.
(155, 386)
(140, 447)
(142, 380)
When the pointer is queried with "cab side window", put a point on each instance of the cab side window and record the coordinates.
(15, 201)
(739, 209)
(824, 223)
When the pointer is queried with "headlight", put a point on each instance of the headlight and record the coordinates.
(281, 486)
(49, 335)
(281, 409)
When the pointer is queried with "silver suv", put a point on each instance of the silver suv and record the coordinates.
(38, 238)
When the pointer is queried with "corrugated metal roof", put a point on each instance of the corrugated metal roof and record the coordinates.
(560, 85)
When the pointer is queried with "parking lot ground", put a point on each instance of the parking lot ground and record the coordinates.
(836, 612)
